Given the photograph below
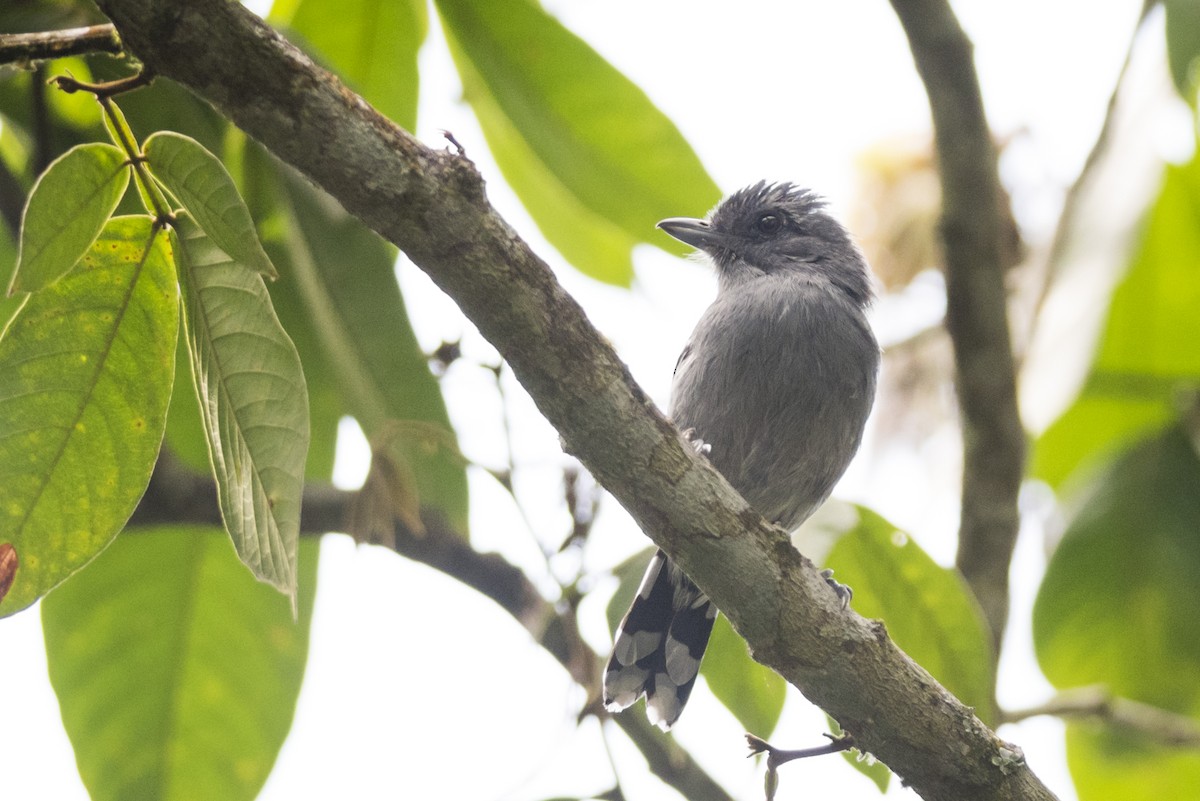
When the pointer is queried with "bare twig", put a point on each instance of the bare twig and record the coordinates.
(778, 756)
(1098, 703)
(129, 83)
(432, 204)
(976, 308)
(28, 47)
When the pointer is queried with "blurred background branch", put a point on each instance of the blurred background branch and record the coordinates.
(22, 48)
(976, 303)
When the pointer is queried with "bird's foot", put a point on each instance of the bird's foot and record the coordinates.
(702, 448)
(843, 590)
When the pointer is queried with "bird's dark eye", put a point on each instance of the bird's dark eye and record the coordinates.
(768, 224)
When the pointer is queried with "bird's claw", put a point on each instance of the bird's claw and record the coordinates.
(702, 448)
(843, 590)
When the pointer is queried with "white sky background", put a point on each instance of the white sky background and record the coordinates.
(418, 688)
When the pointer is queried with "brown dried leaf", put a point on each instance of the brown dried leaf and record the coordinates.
(8, 567)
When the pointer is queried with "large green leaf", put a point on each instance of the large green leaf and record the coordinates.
(201, 183)
(255, 172)
(595, 245)
(68, 206)
(346, 277)
(371, 44)
(1148, 352)
(177, 674)
(1108, 765)
(594, 161)
(253, 402)
(928, 609)
(85, 375)
(1120, 606)
(754, 694)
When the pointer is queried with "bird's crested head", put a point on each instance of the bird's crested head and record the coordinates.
(771, 228)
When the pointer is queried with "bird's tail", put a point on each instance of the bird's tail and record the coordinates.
(658, 646)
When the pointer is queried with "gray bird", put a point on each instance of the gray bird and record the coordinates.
(774, 385)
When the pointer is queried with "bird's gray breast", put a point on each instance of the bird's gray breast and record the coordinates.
(778, 378)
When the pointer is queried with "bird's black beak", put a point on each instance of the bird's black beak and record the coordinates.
(697, 233)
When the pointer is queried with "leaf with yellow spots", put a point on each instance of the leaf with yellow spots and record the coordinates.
(67, 209)
(86, 368)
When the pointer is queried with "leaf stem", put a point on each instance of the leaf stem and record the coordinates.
(118, 130)
(71, 85)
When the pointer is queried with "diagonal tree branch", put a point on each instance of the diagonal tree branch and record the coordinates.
(432, 205)
(976, 304)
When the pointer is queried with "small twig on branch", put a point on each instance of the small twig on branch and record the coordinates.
(778, 756)
(71, 85)
(18, 48)
(976, 304)
(1098, 703)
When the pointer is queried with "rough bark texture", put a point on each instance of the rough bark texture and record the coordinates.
(432, 205)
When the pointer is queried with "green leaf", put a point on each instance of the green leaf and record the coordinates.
(1183, 45)
(752, 692)
(876, 772)
(1147, 353)
(85, 376)
(1120, 604)
(594, 161)
(176, 673)
(68, 206)
(255, 172)
(253, 402)
(346, 277)
(928, 609)
(202, 184)
(372, 45)
(593, 244)
(325, 407)
(1109, 764)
